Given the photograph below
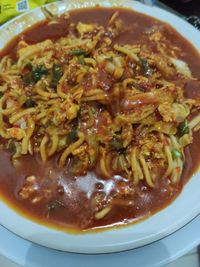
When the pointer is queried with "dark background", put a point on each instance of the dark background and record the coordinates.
(185, 7)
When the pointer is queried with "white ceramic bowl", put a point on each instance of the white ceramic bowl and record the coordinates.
(180, 212)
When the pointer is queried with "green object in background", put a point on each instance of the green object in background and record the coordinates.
(13, 8)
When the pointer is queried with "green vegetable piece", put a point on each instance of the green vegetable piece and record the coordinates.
(56, 74)
(81, 59)
(175, 153)
(27, 78)
(30, 103)
(72, 136)
(28, 66)
(183, 129)
(146, 70)
(76, 166)
(93, 109)
(77, 52)
(110, 58)
(10, 146)
(1, 94)
(116, 144)
(38, 72)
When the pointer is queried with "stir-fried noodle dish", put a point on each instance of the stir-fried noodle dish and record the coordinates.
(99, 115)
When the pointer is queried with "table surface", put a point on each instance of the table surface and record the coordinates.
(190, 259)
(164, 251)
(187, 9)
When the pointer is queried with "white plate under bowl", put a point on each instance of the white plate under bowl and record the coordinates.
(156, 254)
(181, 211)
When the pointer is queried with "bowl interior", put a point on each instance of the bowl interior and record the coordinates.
(180, 212)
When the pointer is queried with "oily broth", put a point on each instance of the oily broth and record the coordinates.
(79, 191)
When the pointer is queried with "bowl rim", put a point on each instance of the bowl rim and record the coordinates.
(132, 236)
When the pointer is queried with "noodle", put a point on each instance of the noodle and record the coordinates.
(43, 152)
(128, 52)
(137, 172)
(6, 111)
(60, 85)
(113, 18)
(146, 171)
(14, 118)
(71, 148)
(95, 102)
(29, 132)
(178, 163)
(53, 148)
(194, 122)
(102, 213)
(103, 166)
(2, 127)
(44, 94)
(170, 161)
(31, 50)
